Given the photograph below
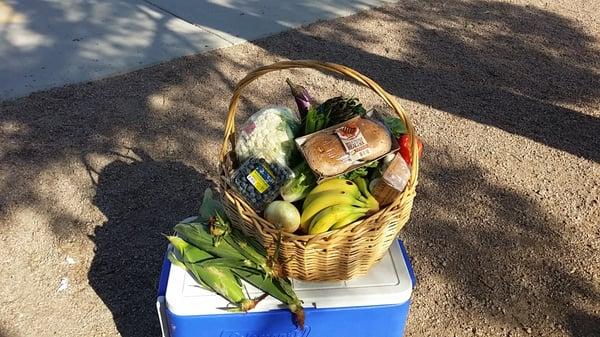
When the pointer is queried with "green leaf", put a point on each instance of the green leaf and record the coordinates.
(362, 171)
(298, 187)
(210, 207)
(315, 121)
(396, 125)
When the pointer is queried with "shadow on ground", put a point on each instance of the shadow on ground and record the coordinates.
(65, 127)
(502, 253)
(521, 69)
(509, 66)
(141, 198)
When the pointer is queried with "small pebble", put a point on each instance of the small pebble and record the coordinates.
(64, 284)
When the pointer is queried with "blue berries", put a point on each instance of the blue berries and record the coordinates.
(259, 182)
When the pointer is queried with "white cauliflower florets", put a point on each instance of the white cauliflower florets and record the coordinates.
(268, 134)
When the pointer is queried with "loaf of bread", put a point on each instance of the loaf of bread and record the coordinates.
(327, 156)
(324, 153)
(377, 137)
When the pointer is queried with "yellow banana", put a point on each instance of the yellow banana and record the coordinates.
(329, 216)
(372, 203)
(324, 200)
(350, 218)
(335, 184)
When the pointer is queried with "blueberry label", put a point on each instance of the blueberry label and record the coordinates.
(261, 178)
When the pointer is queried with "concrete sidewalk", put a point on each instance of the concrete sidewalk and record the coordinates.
(48, 43)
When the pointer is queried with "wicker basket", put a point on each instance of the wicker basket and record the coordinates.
(335, 255)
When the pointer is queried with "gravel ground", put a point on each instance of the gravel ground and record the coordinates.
(505, 234)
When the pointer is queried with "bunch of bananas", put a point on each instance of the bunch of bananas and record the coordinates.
(336, 203)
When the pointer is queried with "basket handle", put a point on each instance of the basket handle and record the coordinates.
(323, 67)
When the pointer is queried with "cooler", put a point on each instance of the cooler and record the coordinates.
(375, 305)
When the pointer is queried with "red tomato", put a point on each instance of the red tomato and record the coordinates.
(404, 141)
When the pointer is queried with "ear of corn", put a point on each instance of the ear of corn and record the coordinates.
(233, 245)
(198, 234)
(223, 282)
(187, 251)
(226, 242)
(250, 251)
(258, 249)
(217, 257)
(279, 288)
(175, 260)
(276, 287)
(219, 279)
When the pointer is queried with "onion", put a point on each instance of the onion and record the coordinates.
(284, 214)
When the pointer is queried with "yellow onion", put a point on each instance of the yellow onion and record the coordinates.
(283, 214)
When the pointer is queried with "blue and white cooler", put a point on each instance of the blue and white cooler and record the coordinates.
(375, 305)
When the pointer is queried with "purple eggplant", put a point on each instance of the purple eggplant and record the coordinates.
(302, 97)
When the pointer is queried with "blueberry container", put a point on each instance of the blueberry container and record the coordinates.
(258, 181)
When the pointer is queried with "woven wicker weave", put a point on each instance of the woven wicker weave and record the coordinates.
(335, 255)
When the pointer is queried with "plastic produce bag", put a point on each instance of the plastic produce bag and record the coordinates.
(269, 134)
(392, 182)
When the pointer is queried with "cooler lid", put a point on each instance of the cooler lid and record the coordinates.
(388, 282)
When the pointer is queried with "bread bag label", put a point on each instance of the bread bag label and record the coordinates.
(354, 142)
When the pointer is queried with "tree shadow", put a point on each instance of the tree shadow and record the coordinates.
(141, 198)
(67, 125)
(584, 324)
(499, 251)
(524, 70)
(49, 43)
